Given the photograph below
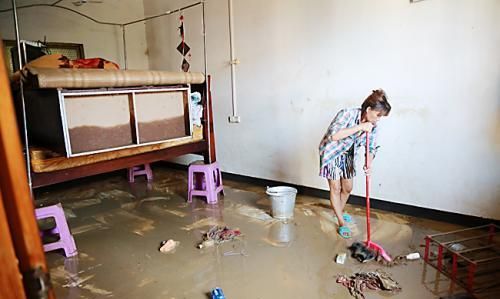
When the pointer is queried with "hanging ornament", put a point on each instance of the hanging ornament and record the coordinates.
(185, 65)
(183, 48)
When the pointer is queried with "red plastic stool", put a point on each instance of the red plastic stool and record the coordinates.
(66, 240)
(204, 180)
(138, 170)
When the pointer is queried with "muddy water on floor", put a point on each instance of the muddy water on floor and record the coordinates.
(118, 228)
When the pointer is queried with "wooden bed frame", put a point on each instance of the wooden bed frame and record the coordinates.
(205, 147)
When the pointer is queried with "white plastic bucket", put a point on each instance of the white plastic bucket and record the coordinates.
(282, 201)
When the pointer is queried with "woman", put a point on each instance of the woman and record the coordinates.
(337, 150)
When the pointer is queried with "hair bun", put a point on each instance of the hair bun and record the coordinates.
(379, 92)
(377, 100)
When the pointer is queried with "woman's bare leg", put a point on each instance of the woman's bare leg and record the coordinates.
(345, 191)
(336, 199)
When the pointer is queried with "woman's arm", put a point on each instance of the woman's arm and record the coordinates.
(343, 133)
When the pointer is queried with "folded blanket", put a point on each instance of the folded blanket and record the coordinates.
(55, 61)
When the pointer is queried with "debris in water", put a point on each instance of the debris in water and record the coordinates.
(360, 252)
(413, 256)
(219, 234)
(399, 260)
(340, 259)
(396, 261)
(359, 282)
(168, 246)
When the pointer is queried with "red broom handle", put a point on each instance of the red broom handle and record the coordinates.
(367, 165)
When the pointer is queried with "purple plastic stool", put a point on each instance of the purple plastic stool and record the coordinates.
(204, 180)
(138, 170)
(66, 240)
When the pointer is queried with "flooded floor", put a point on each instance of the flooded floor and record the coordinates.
(118, 228)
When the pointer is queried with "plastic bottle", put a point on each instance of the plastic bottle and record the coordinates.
(413, 256)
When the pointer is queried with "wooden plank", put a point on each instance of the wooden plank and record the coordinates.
(208, 118)
(43, 160)
(187, 113)
(11, 285)
(18, 203)
(134, 127)
(54, 177)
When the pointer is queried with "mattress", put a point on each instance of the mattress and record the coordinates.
(44, 160)
(100, 78)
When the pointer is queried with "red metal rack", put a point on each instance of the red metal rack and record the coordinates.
(476, 250)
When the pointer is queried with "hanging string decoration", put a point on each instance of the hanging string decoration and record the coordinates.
(183, 48)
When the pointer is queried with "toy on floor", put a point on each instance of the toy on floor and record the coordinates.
(217, 294)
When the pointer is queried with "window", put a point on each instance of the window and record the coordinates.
(70, 50)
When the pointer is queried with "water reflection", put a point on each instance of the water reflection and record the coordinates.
(282, 233)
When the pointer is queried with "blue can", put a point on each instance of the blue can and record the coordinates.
(217, 294)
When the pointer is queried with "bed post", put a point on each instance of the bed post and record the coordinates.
(208, 127)
(16, 199)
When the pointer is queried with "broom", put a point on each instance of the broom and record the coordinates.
(369, 244)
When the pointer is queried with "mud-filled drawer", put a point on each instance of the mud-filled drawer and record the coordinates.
(81, 122)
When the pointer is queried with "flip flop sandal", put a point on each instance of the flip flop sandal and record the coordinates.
(345, 232)
(347, 218)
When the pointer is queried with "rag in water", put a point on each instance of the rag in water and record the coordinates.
(359, 282)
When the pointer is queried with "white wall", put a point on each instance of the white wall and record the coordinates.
(302, 61)
(59, 25)
(163, 35)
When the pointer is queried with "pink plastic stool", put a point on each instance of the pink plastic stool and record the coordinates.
(138, 170)
(66, 240)
(204, 180)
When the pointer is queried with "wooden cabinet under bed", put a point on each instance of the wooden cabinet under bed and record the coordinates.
(78, 122)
